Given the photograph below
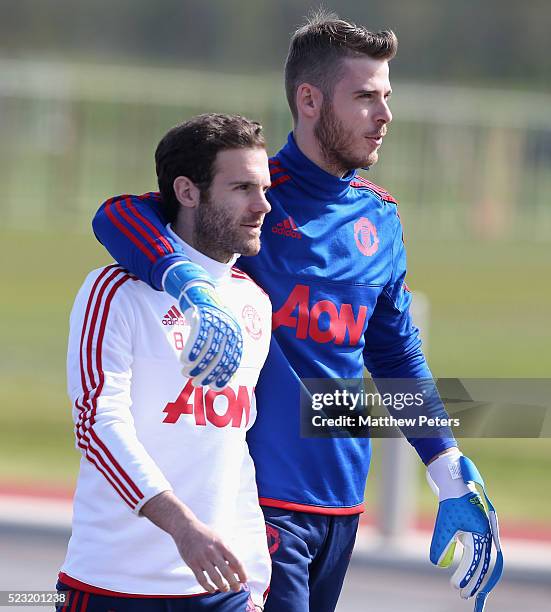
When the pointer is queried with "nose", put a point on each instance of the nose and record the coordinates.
(261, 204)
(384, 115)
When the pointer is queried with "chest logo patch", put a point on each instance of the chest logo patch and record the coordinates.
(365, 235)
(174, 317)
(253, 322)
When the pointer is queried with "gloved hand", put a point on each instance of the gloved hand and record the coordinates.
(461, 516)
(215, 344)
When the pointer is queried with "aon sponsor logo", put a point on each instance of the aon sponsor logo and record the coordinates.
(220, 408)
(323, 321)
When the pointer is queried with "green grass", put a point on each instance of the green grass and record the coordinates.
(490, 305)
(516, 473)
(489, 318)
(36, 440)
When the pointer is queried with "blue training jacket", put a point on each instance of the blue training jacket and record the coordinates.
(333, 263)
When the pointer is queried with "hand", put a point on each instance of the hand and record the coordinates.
(215, 344)
(205, 553)
(461, 516)
(201, 549)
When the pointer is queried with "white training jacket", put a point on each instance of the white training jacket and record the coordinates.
(143, 428)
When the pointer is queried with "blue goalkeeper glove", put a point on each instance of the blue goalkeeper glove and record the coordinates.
(461, 516)
(215, 344)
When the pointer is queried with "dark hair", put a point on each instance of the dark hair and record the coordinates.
(190, 149)
(318, 48)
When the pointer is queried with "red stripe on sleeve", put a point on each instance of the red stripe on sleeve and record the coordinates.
(111, 479)
(84, 432)
(101, 381)
(150, 225)
(92, 299)
(124, 214)
(127, 233)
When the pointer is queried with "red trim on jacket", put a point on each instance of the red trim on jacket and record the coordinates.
(286, 505)
(361, 182)
(88, 588)
(279, 180)
(237, 273)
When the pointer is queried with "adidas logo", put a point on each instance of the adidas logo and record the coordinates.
(288, 228)
(174, 317)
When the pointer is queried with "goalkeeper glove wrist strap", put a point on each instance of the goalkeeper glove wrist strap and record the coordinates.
(181, 275)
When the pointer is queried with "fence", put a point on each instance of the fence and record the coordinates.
(463, 162)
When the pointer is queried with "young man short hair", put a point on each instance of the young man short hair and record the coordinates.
(166, 513)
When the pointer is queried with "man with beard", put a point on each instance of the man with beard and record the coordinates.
(333, 262)
(154, 445)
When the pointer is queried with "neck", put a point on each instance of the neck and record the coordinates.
(308, 144)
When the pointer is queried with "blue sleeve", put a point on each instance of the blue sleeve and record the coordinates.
(132, 229)
(393, 346)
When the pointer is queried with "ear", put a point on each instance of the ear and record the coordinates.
(186, 191)
(309, 101)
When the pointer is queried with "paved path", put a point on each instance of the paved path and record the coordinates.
(30, 558)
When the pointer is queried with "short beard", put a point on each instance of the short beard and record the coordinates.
(215, 234)
(336, 143)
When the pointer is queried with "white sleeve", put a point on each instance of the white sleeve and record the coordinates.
(99, 373)
(252, 547)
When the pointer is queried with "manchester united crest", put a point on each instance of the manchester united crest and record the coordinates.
(365, 235)
(253, 322)
(274, 539)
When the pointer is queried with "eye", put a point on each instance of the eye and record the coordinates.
(242, 187)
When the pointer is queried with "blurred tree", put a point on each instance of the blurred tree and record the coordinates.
(494, 40)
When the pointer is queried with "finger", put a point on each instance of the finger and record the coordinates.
(202, 580)
(235, 565)
(230, 353)
(219, 353)
(470, 561)
(221, 329)
(229, 575)
(480, 573)
(446, 557)
(197, 336)
(205, 357)
(231, 369)
(216, 577)
(226, 367)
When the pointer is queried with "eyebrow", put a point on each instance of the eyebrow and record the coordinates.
(371, 91)
(244, 183)
(253, 183)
